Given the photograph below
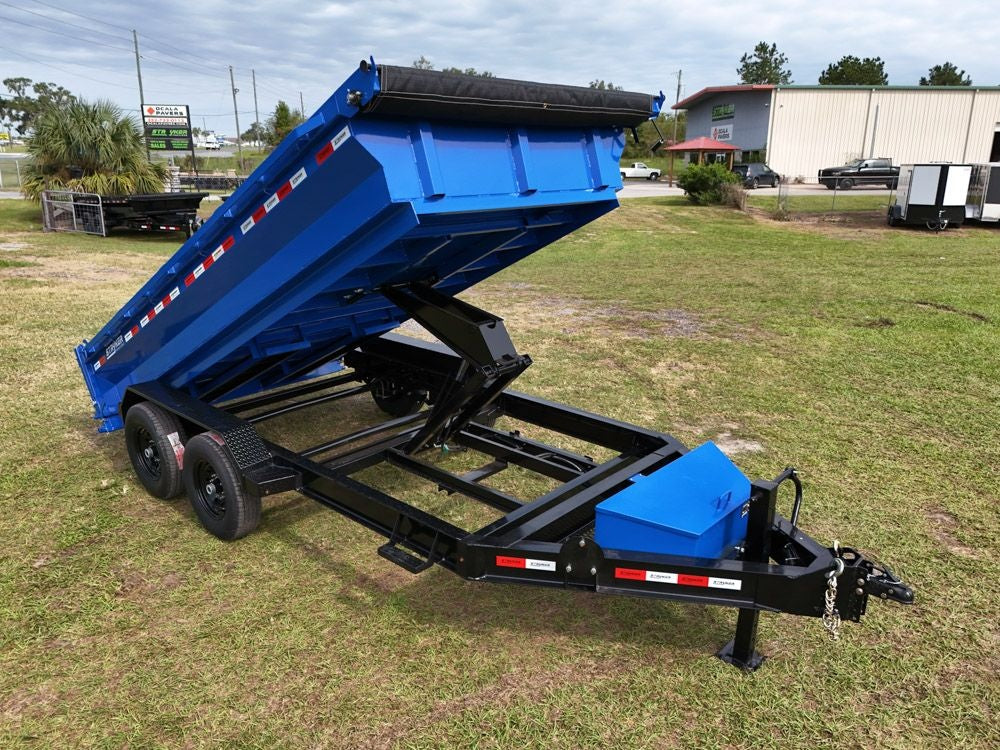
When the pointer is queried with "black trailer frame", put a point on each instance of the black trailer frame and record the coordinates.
(544, 542)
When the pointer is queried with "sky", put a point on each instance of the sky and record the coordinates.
(310, 47)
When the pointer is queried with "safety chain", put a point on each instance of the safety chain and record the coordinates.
(831, 617)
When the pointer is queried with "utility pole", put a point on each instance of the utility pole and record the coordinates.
(670, 181)
(675, 102)
(236, 114)
(256, 112)
(302, 107)
(142, 98)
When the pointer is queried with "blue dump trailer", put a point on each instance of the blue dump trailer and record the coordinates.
(404, 189)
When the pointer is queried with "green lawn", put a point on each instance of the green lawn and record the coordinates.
(867, 358)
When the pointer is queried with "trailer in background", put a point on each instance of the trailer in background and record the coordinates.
(89, 213)
(406, 188)
(983, 201)
(933, 195)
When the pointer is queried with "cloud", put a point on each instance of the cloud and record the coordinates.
(187, 45)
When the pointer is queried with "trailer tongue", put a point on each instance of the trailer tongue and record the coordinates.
(404, 189)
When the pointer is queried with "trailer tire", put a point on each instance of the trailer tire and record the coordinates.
(394, 400)
(213, 485)
(154, 439)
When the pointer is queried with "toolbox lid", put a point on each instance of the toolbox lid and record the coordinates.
(687, 496)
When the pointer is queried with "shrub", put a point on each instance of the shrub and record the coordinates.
(703, 182)
(92, 148)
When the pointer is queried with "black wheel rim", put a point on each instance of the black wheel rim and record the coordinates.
(147, 453)
(211, 495)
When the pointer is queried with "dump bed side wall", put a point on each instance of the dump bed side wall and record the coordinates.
(284, 276)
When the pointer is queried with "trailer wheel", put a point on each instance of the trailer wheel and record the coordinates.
(395, 400)
(217, 495)
(154, 439)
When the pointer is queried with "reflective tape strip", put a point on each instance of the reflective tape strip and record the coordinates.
(678, 579)
(336, 142)
(527, 563)
(251, 221)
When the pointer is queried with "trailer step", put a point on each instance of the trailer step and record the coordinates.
(403, 559)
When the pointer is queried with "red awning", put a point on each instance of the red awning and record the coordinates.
(703, 144)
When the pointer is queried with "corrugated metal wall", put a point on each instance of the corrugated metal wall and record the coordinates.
(816, 128)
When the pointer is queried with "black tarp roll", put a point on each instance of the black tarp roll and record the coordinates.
(410, 92)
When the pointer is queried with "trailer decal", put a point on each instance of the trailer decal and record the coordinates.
(503, 561)
(678, 579)
(324, 153)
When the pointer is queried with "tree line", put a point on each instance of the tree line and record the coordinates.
(765, 64)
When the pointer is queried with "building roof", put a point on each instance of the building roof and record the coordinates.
(711, 90)
(686, 103)
(703, 144)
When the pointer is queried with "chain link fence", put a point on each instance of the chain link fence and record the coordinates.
(11, 170)
(861, 196)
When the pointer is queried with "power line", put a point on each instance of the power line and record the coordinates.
(155, 44)
(60, 20)
(80, 15)
(62, 33)
(67, 72)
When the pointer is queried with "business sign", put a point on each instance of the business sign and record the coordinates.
(722, 132)
(167, 127)
(723, 111)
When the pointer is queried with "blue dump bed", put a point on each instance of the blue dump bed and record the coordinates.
(401, 176)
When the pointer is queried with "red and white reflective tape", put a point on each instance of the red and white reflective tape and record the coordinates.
(324, 153)
(678, 579)
(526, 563)
(265, 208)
(293, 182)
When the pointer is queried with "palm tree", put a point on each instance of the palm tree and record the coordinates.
(92, 148)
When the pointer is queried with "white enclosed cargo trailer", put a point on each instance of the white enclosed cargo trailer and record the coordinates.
(931, 194)
(983, 200)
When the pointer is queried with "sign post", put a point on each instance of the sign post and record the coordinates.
(168, 128)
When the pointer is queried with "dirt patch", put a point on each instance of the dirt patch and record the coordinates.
(943, 527)
(135, 585)
(731, 445)
(948, 308)
(878, 323)
(69, 269)
(572, 315)
(847, 224)
(722, 434)
(12, 247)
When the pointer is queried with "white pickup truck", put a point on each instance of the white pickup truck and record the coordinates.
(638, 169)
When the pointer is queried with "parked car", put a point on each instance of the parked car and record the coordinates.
(860, 172)
(638, 169)
(756, 174)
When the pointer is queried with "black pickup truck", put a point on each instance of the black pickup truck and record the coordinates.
(860, 172)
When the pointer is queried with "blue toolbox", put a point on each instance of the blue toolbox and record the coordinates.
(695, 506)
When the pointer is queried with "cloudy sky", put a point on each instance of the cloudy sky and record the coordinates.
(187, 45)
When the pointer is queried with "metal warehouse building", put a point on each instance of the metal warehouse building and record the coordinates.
(805, 128)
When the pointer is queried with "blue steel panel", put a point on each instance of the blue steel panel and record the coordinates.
(286, 273)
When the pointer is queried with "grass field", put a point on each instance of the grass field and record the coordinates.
(867, 357)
